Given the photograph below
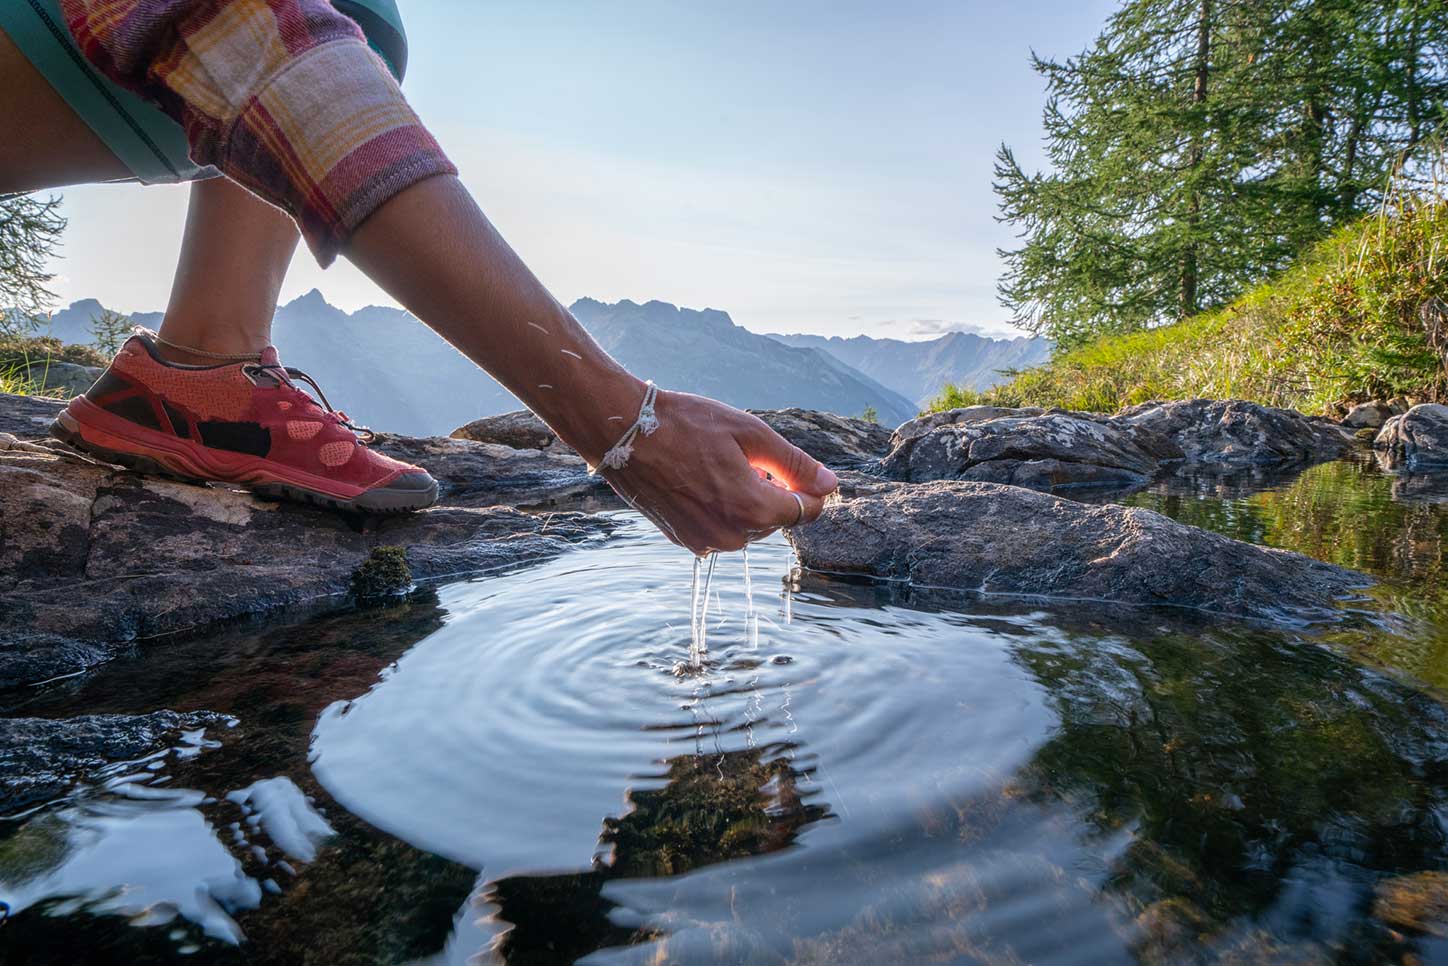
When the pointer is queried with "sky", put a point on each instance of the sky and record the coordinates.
(808, 166)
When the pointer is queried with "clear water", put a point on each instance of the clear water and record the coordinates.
(513, 769)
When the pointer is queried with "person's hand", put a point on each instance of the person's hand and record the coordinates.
(700, 476)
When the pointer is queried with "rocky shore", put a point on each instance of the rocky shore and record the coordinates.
(96, 560)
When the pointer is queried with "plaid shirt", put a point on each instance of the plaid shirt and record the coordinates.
(282, 96)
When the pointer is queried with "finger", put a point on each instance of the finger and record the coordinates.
(792, 466)
(781, 509)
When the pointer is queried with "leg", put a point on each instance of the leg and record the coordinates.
(33, 114)
(236, 249)
(234, 258)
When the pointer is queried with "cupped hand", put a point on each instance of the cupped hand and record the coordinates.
(701, 476)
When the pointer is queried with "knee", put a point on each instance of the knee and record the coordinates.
(382, 26)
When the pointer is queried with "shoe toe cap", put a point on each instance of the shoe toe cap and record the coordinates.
(413, 481)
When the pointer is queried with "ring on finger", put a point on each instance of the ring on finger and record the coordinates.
(800, 500)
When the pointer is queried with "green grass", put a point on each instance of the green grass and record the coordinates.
(1363, 315)
(25, 358)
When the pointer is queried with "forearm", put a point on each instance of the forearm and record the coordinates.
(433, 250)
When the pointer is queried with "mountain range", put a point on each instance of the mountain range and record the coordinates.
(388, 370)
(919, 370)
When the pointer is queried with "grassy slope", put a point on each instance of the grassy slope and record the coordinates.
(1346, 323)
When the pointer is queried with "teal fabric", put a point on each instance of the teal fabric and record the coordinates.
(146, 141)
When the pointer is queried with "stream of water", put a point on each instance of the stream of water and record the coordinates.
(513, 769)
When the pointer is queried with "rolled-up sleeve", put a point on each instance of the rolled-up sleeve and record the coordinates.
(282, 96)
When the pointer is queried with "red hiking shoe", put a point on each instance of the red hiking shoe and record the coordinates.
(242, 423)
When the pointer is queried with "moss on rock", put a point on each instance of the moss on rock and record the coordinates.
(384, 573)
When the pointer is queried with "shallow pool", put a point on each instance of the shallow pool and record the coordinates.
(517, 769)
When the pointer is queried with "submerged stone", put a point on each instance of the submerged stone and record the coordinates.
(1418, 902)
(994, 539)
(40, 757)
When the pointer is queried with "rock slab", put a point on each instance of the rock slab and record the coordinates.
(93, 557)
(992, 539)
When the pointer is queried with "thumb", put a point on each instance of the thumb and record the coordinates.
(787, 463)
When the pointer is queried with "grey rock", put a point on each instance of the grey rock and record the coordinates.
(837, 441)
(992, 539)
(40, 758)
(471, 473)
(921, 425)
(1416, 440)
(1233, 431)
(520, 430)
(1042, 452)
(1368, 415)
(834, 440)
(93, 557)
(67, 378)
(27, 417)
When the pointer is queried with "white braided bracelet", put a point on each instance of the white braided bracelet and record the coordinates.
(617, 457)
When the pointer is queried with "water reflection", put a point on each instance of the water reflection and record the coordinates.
(712, 808)
(1349, 513)
(1267, 786)
(189, 854)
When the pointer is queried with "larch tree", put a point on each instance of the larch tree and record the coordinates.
(30, 231)
(1198, 145)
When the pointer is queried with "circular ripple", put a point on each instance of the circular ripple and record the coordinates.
(507, 737)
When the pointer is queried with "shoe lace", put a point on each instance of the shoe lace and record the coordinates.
(289, 373)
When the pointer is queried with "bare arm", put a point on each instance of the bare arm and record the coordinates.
(434, 251)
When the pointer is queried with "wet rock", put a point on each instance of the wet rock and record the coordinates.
(1416, 440)
(520, 430)
(471, 473)
(1041, 452)
(1368, 415)
(27, 417)
(837, 441)
(1239, 432)
(40, 758)
(93, 557)
(992, 539)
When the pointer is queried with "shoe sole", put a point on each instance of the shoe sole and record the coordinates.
(156, 454)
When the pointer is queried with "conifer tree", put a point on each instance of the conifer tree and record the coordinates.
(109, 330)
(1198, 145)
(29, 233)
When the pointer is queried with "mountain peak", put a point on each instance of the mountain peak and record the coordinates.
(312, 299)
